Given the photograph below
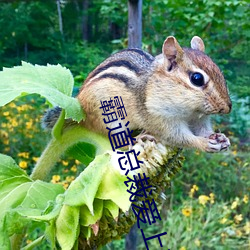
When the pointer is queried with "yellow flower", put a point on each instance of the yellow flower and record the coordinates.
(203, 199)
(24, 154)
(238, 218)
(6, 113)
(234, 152)
(55, 178)
(247, 228)
(77, 162)
(223, 220)
(65, 163)
(211, 195)
(192, 190)
(6, 149)
(70, 178)
(224, 164)
(73, 168)
(6, 141)
(187, 211)
(14, 123)
(197, 242)
(4, 134)
(65, 185)
(29, 124)
(12, 105)
(238, 159)
(235, 203)
(28, 241)
(182, 248)
(238, 233)
(245, 199)
(35, 159)
(23, 164)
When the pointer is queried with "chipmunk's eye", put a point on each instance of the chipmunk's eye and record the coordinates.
(197, 79)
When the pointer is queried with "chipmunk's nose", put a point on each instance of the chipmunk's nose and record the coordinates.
(227, 108)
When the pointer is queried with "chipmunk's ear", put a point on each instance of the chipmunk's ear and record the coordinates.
(171, 49)
(197, 43)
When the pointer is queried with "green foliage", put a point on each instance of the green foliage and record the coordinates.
(19, 198)
(52, 82)
(204, 223)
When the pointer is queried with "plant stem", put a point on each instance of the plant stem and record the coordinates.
(57, 147)
(16, 240)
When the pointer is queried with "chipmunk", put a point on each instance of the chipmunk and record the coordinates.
(170, 96)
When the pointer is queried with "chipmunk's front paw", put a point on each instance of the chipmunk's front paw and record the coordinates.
(218, 142)
(143, 137)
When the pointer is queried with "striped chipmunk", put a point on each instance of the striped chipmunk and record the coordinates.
(170, 97)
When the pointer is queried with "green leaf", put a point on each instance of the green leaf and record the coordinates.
(86, 232)
(112, 207)
(67, 226)
(14, 198)
(53, 82)
(11, 183)
(4, 240)
(86, 218)
(113, 188)
(83, 189)
(27, 201)
(50, 234)
(50, 213)
(99, 180)
(9, 168)
(83, 152)
(39, 194)
(20, 198)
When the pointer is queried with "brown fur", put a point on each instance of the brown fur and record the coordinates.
(158, 95)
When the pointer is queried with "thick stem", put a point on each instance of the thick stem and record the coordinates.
(57, 147)
(16, 240)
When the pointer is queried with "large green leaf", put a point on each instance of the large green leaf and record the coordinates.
(83, 189)
(53, 82)
(99, 180)
(67, 226)
(112, 188)
(6, 186)
(39, 194)
(22, 199)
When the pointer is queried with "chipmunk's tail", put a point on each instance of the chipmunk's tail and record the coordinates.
(50, 117)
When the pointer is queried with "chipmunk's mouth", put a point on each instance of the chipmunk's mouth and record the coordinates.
(224, 108)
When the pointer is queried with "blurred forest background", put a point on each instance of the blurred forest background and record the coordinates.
(208, 204)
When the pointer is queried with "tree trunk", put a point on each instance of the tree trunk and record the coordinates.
(85, 20)
(131, 238)
(59, 16)
(135, 23)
